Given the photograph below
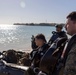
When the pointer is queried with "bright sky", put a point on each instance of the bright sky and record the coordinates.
(26, 11)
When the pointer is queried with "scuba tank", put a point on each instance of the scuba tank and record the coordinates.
(49, 60)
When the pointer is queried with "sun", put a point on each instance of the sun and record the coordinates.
(22, 4)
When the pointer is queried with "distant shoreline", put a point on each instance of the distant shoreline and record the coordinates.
(38, 24)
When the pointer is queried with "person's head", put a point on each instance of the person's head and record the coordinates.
(40, 40)
(59, 28)
(71, 23)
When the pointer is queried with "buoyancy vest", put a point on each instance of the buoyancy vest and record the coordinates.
(49, 60)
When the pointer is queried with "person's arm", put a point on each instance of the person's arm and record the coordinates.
(70, 66)
(32, 55)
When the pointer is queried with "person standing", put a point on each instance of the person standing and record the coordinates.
(70, 53)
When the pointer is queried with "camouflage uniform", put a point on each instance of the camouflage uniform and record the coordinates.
(70, 66)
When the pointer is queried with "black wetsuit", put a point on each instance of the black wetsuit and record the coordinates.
(56, 35)
(36, 55)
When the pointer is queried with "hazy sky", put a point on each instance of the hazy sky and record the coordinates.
(12, 11)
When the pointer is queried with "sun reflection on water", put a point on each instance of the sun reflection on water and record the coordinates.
(7, 34)
(7, 27)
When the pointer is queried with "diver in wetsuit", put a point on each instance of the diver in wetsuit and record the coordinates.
(57, 34)
(37, 54)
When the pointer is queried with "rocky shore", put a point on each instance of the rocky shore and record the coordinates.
(16, 57)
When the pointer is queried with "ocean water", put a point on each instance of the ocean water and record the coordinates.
(18, 37)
